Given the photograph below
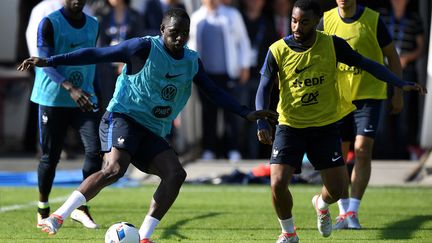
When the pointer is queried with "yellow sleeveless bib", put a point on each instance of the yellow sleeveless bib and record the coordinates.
(361, 36)
(309, 93)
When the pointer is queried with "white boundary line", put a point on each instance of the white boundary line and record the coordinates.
(28, 205)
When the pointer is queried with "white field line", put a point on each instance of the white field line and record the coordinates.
(31, 204)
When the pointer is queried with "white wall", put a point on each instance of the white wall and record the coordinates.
(8, 29)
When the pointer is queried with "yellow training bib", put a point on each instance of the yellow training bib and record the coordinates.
(361, 36)
(309, 93)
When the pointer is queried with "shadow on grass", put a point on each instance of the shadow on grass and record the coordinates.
(172, 230)
(404, 229)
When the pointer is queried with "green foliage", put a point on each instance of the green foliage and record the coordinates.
(224, 214)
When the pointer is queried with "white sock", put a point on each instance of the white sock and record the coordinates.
(75, 200)
(321, 204)
(354, 205)
(287, 225)
(43, 204)
(343, 204)
(147, 227)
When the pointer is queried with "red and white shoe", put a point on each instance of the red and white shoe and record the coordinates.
(288, 238)
(352, 220)
(341, 222)
(324, 223)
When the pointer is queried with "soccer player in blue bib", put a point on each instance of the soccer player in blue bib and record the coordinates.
(310, 105)
(66, 97)
(153, 88)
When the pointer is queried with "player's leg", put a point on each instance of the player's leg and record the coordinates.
(280, 176)
(168, 168)
(366, 119)
(324, 151)
(334, 183)
(286, 158)
(362, 169)
(120, 138)
(87, 124)
(347, 131)
(116, 163)
(52, 131)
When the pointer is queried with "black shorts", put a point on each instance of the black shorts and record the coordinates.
(322, 146)
(122, 132)
(363, 121)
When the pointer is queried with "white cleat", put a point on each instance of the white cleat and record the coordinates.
(51, 224)
(288, 238)
(82, 215)
(352, 220)
(323, 219)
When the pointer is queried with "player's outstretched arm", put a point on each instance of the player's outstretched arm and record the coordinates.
(226, 101)
(118, 53)
(345, 54)
(382, 73)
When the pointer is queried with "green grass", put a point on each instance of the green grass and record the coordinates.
(225, 214)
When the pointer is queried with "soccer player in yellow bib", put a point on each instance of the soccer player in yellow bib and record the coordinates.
(310, 106)
(366, 33)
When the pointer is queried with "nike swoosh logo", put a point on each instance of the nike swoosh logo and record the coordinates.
(73, 45)
(334, 159)
(369, 130)
(172, 76)
(297, 71)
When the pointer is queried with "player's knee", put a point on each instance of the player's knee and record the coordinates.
(363, 151)
(335, 192)
(176, 177)
(113, 171)
(47, 163)
(278, 185)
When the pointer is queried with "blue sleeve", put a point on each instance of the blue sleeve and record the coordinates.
(383, 35)
(45, 45)
(52, 73)
(381, 72)
(118, 53)
(218, 95)
(268, 74)
(344, 52)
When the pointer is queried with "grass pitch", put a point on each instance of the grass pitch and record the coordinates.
(223, 214)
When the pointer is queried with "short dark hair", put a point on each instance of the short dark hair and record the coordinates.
(306, 5)
(175, 13)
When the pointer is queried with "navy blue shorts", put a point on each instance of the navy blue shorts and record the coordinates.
(122, 132)
(363, 121)
(322, 146)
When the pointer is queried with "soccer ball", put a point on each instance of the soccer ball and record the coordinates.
(122, 232)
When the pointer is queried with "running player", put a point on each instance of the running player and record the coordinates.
(66, 97)
(310, 106)
(153, 88)
(366, 33)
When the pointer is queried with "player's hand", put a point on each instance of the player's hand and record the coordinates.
(32, 62)
(80, 97)
(397, 103)
(415, 87)
(262, 114)
(264, 136)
